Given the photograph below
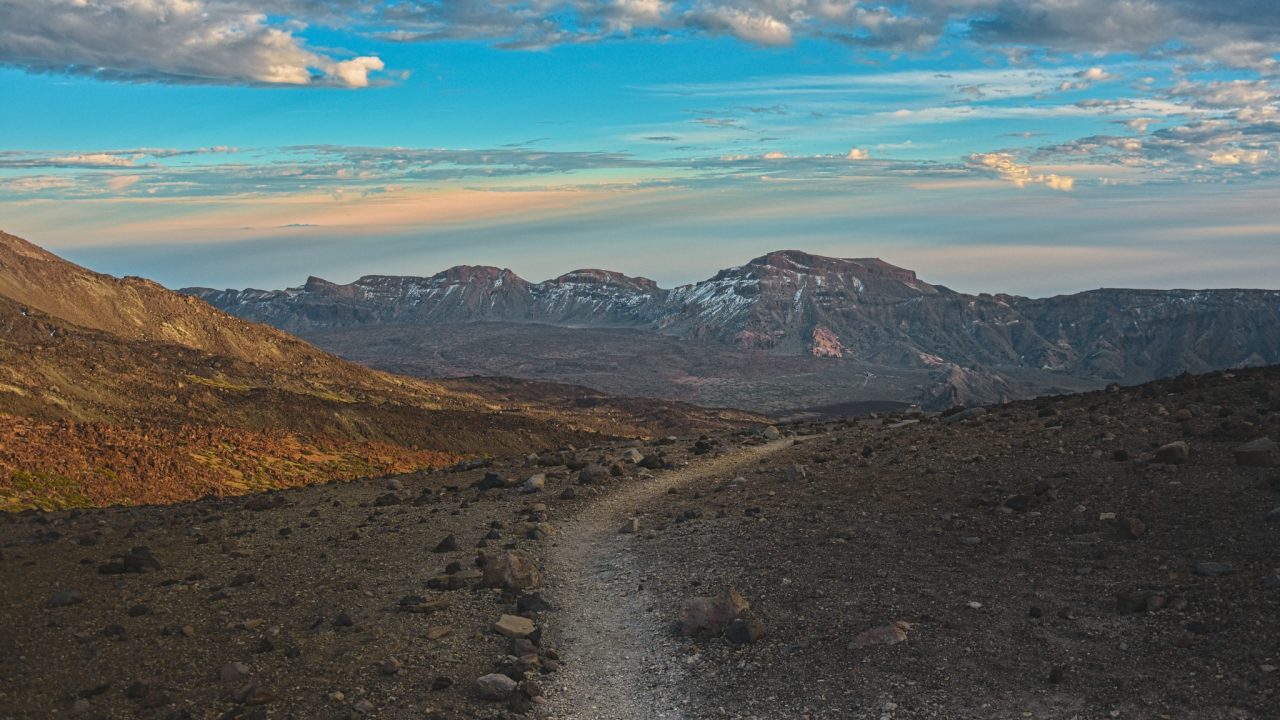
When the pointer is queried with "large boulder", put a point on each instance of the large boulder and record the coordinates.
(494, 686)
(1175, 453)
(593, 473)
(1257, 453)
(513, 570)
(712, 615)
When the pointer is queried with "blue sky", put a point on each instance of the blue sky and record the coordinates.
(1039, 146)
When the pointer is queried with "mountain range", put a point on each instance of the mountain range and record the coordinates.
(785, 332)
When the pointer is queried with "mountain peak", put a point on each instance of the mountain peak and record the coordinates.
(475, 274)
(810, 264)
(609, 278)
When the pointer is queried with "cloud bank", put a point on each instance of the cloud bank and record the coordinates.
(263, 43)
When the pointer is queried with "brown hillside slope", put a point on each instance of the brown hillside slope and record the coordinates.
(131, 359)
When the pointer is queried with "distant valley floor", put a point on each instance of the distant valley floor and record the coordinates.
(641, 363)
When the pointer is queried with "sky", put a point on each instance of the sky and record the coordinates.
(1028, 146)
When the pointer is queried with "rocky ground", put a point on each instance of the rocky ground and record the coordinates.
(1103, 555)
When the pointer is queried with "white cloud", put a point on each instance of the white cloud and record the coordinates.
(1006, 167)
(176, 41)
(354, 73)
(36, 183)
(1095, 74)
(1140, 124)
(756, 27)
(91, 160)
(1238, 157)
(857, 154)
(120, 183)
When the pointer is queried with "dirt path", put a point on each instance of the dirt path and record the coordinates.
(622, 661)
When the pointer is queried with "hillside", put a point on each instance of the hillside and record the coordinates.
(782, 333)
(1110, 554)
(250, 407)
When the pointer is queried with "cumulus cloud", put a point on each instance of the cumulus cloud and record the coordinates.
(1006, 167)
(175, 41)
(857, 154)
(1140, 124)
(1238, 157)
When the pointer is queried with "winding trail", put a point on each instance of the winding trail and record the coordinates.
(622, 662)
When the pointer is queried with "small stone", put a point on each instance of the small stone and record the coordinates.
(532, 602)
(1257, 453)
(771, 433)
(1128, 603)
(364, 707)
(390, 666)
(514, 626)
(1273, 517)
(139, 610)
(441, 682)
(435, 632)
(535, 483)
(494, 686)
(449, 544)
(233, 672)
(1175, 453)
(631, 526)
(343, 620)
(1132, 528)
(967, 414)
(593, 473)
(1019, 503)
(394, 485)
(423, 606)
(65, 598)
(490, 481)
(1212, 569)
(745, 630)
(890, 634)
(1057, 674)
(387, 500)
(253, 694)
